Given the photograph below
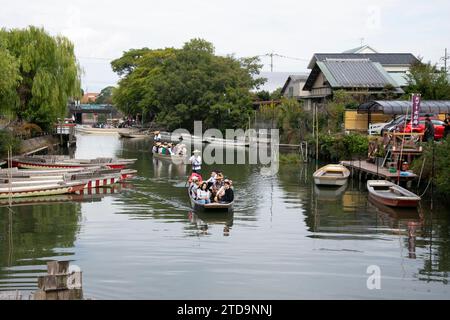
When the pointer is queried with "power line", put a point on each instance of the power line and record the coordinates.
(271, 55)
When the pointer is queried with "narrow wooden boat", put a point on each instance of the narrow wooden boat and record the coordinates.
(331, 175)
(40, 189)
(134, 135)
(226, 142)
(390, 194)
(214, 206)
(58, 163)
(91, 178)
(17, 173)
(101, 131)
(174, 158)
(209, 207)
(85, 195)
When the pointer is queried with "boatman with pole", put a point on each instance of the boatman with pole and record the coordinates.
(196, 162)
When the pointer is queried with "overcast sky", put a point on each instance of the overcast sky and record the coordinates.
(102, 30)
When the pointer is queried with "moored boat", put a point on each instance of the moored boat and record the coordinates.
(92, 178)
(226, 142)
(101, 131)
(8, 190)
(134, 135)
(331, 175)
(40, 162)
(390, 194)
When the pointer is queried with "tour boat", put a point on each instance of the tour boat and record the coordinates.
(40, 162)
(390, 194)
(209, 207)
(331, 175)
(8, 190)
(174, 158)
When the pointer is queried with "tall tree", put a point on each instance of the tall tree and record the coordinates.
(426, 79)
(49, 74)
(105, 96)
(178, 86)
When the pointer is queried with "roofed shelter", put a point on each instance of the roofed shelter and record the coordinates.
(399, 107)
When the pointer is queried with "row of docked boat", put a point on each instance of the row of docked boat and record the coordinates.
(61, 176)
(383, 191)
(65, 162)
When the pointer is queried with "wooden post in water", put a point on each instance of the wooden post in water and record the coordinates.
(59, 284)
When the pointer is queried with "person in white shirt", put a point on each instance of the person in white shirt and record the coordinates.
(203, 195)
(196, 162)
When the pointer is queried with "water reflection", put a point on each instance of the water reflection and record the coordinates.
(203, 222)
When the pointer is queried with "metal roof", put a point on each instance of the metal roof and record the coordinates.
(352, 73)
(402, 107)
(383, 58)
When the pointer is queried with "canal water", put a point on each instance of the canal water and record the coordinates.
(285, 240)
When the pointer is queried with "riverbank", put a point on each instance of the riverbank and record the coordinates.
(37, 144)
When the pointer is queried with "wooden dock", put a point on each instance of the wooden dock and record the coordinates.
(370, 169)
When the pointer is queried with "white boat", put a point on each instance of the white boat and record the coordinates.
(101, 131)
(226, 142)
(8, 190)
(331, 175)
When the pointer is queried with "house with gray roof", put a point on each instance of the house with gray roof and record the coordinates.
(364, 75)
(293, 87)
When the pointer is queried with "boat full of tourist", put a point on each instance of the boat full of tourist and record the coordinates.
(213, 195)
(169, 151)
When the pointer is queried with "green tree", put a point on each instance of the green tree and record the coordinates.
(426, 79)
(105, 96)
(49, 74)
(9, 78)
(175, 87)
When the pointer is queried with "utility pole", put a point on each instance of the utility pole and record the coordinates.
(271, 61)
(445, 58)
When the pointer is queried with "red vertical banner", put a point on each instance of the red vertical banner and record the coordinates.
(415, 110)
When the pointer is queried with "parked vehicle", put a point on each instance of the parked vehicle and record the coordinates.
(391, 126)
(439, 127)
(375, 128)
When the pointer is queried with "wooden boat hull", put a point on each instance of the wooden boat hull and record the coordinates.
(61, 163)
(331, 175)
(129, 135)
(102, 131)
(210, 207)
(389, 194)
(330, 182)
(40, 190)
(395, 202)
(173, 158)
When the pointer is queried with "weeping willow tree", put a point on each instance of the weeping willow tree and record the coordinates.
(43, 75)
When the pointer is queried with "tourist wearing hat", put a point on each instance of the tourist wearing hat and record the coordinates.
(157, 136)
(196, 161)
